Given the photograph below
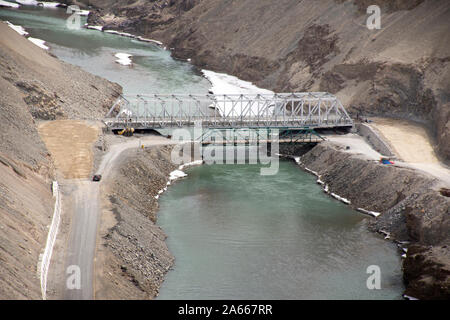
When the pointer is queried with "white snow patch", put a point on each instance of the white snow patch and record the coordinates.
(225, 84)
(177, 174)
(111, 31)
(19, 29)
(9, 4)
(129, 35)
(190, 164)
(371, 213)
(40, 43)
(124, 34)
(334, 195)
(149, 40)
(99, 28)
(49, 4)
(409, 297)
(27, 2)
(311, 171)
(123, 59)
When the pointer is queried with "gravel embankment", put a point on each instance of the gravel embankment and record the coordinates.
(134, 256)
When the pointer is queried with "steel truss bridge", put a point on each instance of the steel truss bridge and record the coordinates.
(287, 112)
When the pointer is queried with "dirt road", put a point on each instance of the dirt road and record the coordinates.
(81, 245)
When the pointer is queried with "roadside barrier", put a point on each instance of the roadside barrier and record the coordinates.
(51, 238)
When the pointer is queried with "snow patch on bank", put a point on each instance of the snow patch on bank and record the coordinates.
(190, 164)
(123, 59)
(98, 28)
(225, 84)
(19, 29)
(370, 213)
(27, 2)
(50, 4)
(338, 197)
(9, 4)
(40, 43)
(123, 34)
(45, 4)
(178, 174)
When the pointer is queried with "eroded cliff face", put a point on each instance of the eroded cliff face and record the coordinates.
(401, 70)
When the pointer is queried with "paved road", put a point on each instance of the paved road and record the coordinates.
(85, 196)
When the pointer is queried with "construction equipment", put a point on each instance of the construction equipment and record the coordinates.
(127, 132)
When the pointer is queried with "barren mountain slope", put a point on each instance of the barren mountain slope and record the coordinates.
(401, 70)
(33, 86)
(37, 86)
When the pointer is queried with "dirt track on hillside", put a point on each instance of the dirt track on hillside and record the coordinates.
(413, 145)
(70, 143)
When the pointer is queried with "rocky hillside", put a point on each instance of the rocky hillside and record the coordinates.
(37, 86)
(34, 86)
(401, 70)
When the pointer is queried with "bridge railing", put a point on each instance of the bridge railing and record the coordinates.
(281, 109)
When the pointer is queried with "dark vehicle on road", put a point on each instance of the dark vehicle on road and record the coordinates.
(97, 177)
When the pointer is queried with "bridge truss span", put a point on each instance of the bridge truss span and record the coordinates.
(278, 110)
